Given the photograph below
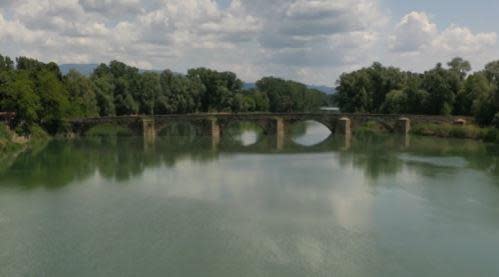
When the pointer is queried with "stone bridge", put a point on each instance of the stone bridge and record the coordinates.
(272, 124)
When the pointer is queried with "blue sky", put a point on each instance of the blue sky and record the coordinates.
(479, 15)
(311, 41)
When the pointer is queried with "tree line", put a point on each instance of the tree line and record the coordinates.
(40, 94)
(449, 90)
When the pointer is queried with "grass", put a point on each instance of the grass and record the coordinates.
(6, 140)
(108, 130)
(369, 129)
(455, 131)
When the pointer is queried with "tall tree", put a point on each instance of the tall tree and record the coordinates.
(81, 95)
(460, 67)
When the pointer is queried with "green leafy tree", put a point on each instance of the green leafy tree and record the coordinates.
(442, 85)
(151, 89)
(396, 102)
(460, 66)
(18, 95)
(54, 101)
(220, 88)
(82, 95)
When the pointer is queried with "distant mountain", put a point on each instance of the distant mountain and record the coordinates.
(85, 69)
(88, 69)
(325, 89)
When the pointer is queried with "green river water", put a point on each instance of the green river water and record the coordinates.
(184, 206)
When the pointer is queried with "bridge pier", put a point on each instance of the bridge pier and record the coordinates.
(344, 127)
(149, 130)
(277, 128)
(211, 128)
(403, 126)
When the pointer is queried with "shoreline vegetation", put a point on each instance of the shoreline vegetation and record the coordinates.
(470, 131)
(43, 98)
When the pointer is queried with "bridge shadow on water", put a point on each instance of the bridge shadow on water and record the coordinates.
(60, 163)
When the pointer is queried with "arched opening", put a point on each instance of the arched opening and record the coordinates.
(244, 133)
(178, 129)
(109, 130)
(309, 133)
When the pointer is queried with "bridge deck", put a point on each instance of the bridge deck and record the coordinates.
(240, 116)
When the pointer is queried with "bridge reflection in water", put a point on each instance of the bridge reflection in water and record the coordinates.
(271, 124)
(233, 141)
(122, 158)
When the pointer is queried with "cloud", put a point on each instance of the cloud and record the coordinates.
(461, 40)
(417, 43)
(414, 31)
(116, 8)
(307, 40)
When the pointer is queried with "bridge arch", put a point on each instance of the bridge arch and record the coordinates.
(309, 132)
(245, 132)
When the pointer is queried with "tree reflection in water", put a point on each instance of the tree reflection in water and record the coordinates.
(120, 158)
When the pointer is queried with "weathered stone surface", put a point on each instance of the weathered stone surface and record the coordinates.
(344, 126)
(460, 121)
(403, 126)
(272, 124)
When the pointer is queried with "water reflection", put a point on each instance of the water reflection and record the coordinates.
(62, 162)
(177, 206)
(242, 134)
(309, 133)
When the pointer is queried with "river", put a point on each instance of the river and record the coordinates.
(184, 206)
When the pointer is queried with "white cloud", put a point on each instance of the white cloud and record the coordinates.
(461, 40)
(309, 40)
(417, 43)
(414, 31)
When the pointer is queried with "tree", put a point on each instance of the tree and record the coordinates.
(18, 95)
(81, 95)
(417, 100)
(179, 94)
(290, 96)
(104, 94)
(476, 86)
(6, 64)
(492, 71)
(459, 66)
(151, 88)
(54, 101)
(220, 88)
(396, 102)
(442, 85)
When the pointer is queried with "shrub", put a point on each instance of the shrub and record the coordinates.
(495, 121)
(371, 128)
(105, 130)
(4, 132)
(490, 135)
(442, 130)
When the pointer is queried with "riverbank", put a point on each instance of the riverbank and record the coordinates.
(10, 142)
(470, 131)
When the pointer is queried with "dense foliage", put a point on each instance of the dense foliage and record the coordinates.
(41, 95)
(438, 91)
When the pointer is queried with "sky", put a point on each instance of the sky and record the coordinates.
(311, 41)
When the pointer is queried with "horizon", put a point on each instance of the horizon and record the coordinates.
(313, 42)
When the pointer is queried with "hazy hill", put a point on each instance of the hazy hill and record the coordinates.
(87, 69)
